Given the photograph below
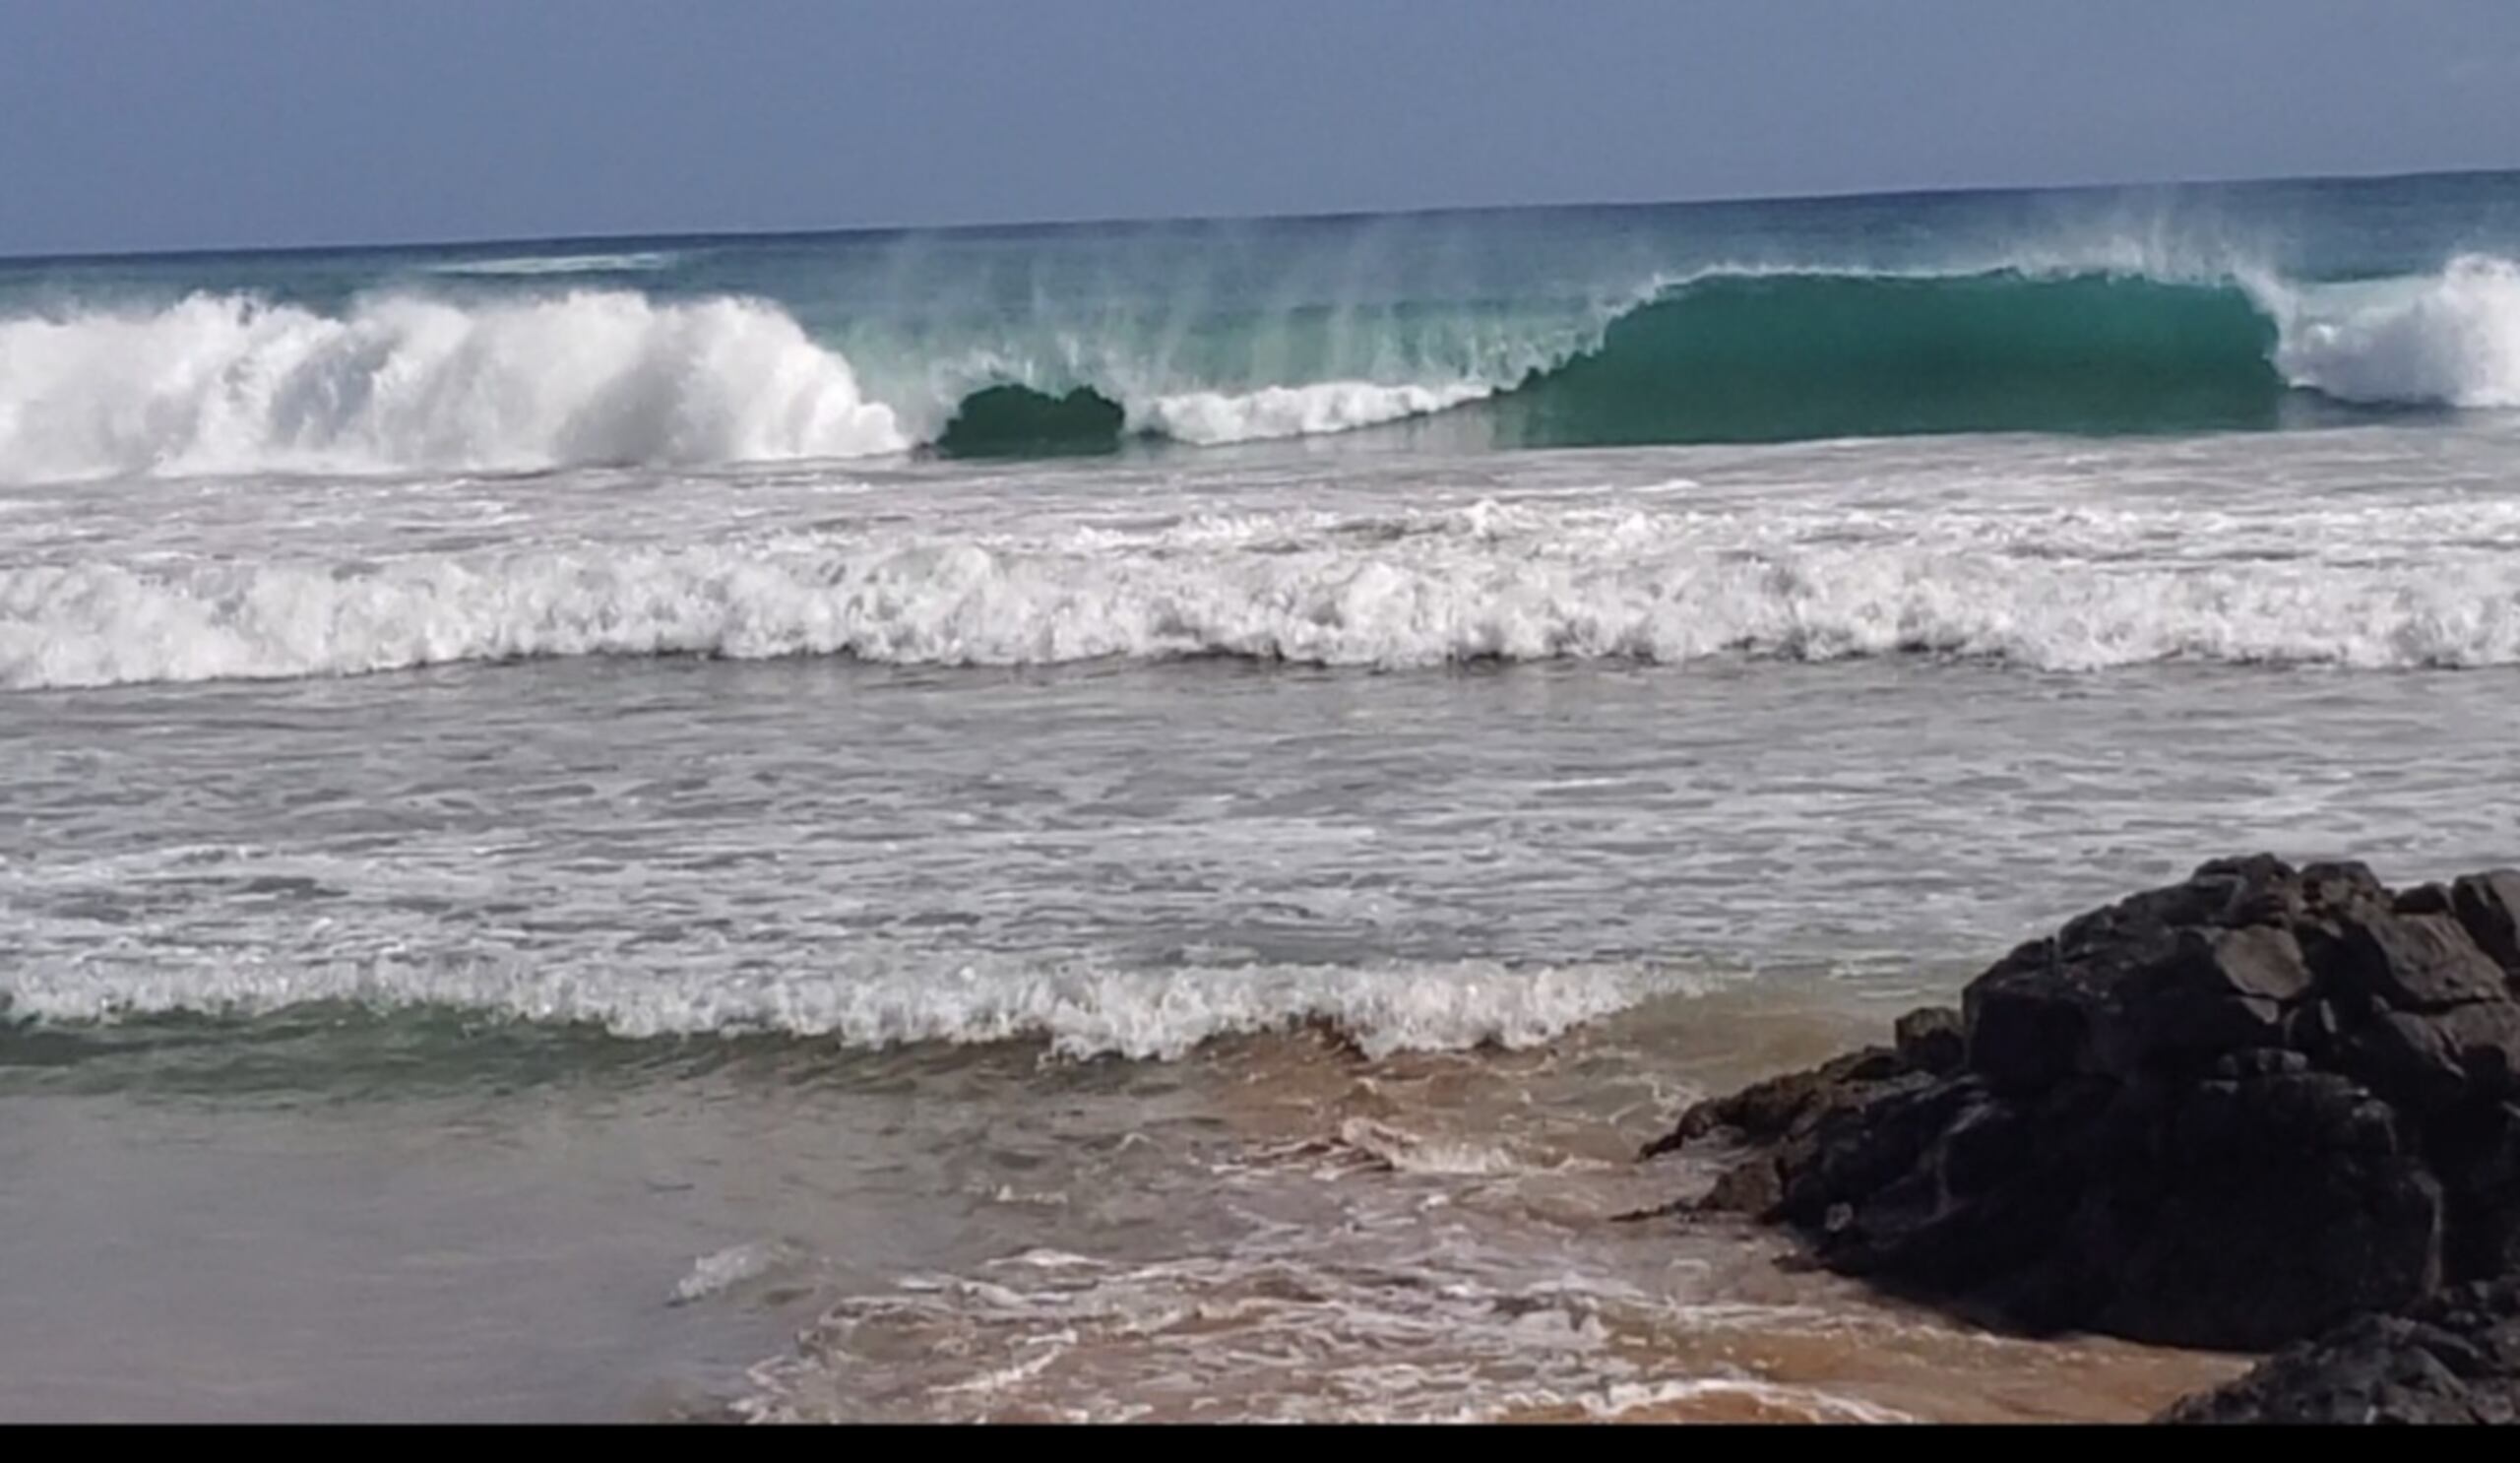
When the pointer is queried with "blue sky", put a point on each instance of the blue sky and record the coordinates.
(148, 124)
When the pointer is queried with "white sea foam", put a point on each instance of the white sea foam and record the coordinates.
(1405, 1151)
(227, 384)
(1208, 419)
(534, 266)
(217, 384)
(2451, 338)
(1079, 1008)
(2074, 590)
(721, 1271)
(1403, 1319)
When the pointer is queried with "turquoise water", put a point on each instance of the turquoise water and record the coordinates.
(1137, 820)
(2240, 306)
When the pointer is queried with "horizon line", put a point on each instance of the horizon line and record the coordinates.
(1157, 221)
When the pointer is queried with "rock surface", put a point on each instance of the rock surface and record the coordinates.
(2453, 1358)
(2232, 1112)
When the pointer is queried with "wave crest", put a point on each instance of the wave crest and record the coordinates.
(229, 384)
(1079, 1010)
(536, 266)
(2451, 338)
(1511, 582)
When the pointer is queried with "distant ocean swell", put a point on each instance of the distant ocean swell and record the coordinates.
(217, 384)
(2406, 586)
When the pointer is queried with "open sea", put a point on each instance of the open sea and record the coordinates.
(1137, 820)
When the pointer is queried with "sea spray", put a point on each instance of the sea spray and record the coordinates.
(229, 384)
(411, 382)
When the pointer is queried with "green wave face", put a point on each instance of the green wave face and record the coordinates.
(1019, 422)
(1802, 356)
(1747, 359)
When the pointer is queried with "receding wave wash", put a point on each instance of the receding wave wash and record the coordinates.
(2227, 309)
(1141, 821)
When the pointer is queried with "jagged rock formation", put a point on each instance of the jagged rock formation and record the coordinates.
(2231, 1112)
(2452, 1359)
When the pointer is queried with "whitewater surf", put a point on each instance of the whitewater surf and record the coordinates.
(1080, 821)
(539, 372)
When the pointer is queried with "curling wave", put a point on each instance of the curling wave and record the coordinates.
(229, 384)
(1786, 356)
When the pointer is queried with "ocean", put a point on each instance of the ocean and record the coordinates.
(1138, 820)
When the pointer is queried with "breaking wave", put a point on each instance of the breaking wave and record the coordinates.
(2369, 588)
(1079, 1010)
(231, 384)
(218, 384)
(536, 265)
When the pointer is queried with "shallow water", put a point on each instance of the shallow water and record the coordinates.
(1180, 934)
(1282, 1228)
(471, 1207)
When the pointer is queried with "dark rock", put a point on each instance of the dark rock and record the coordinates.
(2260, 1210)
(1768, 1112)
(2208, 993)
(2422, 898)
(2028, 1020)
(2488, 907)
(2338, 888)
(1983, 1146)
(2132, 986)
(2453, 1358)
(1798, 1124)
(2229, 1113)
(2408, 961)
(1932, 1040)
(2433, 1062)
(2485, 1214)
(1867, 1146)
(1755, 1187)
